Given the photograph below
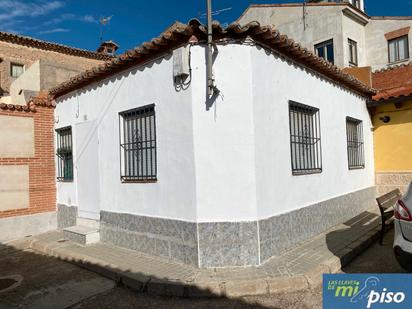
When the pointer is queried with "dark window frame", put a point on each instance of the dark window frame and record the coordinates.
(324, 45)
(355, 143)
(138, 145)
(397, 51)
(306, 148)
(353, 52)
(18, 65)
(356, 3)
(64, 153)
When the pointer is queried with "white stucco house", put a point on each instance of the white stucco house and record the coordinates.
(280, 153)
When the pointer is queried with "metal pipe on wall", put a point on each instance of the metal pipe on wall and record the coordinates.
(209, 62)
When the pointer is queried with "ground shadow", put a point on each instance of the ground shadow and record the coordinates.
(32, 280)
(358, 234)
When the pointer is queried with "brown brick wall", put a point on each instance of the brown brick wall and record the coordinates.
(42, 186)
(27, 55)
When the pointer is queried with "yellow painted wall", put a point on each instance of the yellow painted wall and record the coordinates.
(393, 140)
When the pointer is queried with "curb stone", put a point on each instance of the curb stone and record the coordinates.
(213, 287)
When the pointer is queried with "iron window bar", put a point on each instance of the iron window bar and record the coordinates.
(355, 144)
(64, 153)
(138, 146)
(305, 139)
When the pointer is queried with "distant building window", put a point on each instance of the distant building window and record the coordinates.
(356, 3)
(64, 154)
(353, 52)
(16, 70)
(305, 143)
(398, 49)
(354, 134)
(138, 144)
(325, 50)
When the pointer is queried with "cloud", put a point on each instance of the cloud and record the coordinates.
(89, 19)
(70, 17)
(14, 8)
(56, 30)
(15, 16)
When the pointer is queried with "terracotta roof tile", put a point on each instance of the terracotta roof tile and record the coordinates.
(39, 44)
(180, 34)
(393, 83)
(42, 99)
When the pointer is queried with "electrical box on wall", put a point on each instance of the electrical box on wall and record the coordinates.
(181, 63)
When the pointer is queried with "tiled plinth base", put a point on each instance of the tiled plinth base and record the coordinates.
(225, 244)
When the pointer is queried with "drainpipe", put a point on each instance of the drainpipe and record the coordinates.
(209, 62)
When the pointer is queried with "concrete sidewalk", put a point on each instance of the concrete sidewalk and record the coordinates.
(297, 269)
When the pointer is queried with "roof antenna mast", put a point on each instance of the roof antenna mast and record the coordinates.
(210, 79)
(103, 21)
(304, 14)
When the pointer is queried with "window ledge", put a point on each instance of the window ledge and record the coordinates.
(356, 168)
(398, 62)
(139, 181)
(64, 180)
(309, 172)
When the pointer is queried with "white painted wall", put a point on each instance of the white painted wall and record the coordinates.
(356, 32)
(277, 190)
(229, 161)
(224, 138)
(173, 196)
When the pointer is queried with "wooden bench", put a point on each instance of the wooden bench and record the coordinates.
(386, 203)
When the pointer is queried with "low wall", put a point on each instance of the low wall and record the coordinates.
(388, 181)
(12, 228)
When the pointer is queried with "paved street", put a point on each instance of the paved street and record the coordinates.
(49, 283)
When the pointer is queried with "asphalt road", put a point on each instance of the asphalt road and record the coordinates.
(50, 283)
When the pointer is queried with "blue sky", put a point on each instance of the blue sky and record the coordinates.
(76, 22)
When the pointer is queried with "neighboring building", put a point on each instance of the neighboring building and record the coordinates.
(392, 120)
(230, 180)
(339, 31)
(27, 178)
(18, 53)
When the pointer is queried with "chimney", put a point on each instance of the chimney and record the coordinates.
(108, 48)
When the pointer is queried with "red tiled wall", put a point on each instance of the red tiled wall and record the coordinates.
(42, 186)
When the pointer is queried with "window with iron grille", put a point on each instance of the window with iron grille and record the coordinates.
(353, 52)
(354, 133)
(138, 144)
(64, 154)
(305, 142)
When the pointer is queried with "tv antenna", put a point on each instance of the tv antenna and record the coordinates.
(305, 13)
(214, 13)
(103, 21)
